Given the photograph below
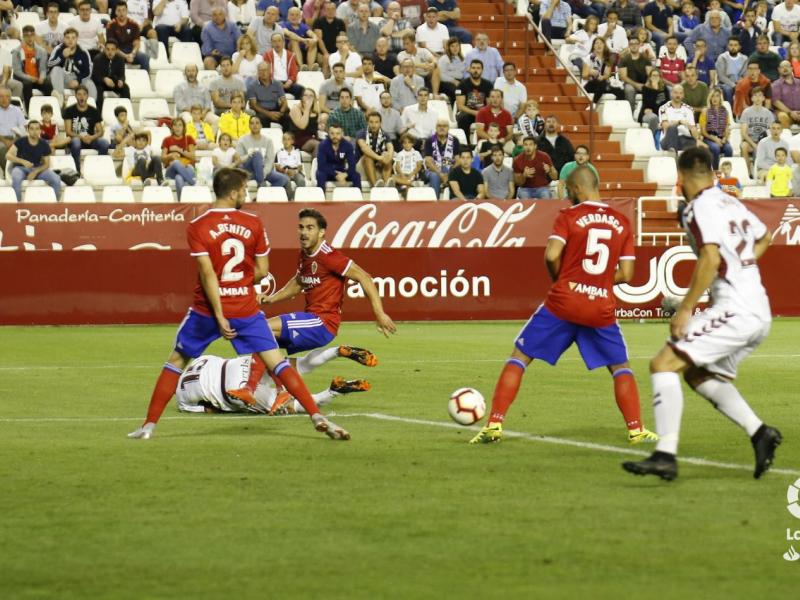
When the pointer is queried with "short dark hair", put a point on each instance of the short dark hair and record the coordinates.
(776, 150)
(142, 135)
(345, 90)
(509, 64)
(475, 60)
(225, 58)
(119, 110)
(228, 180)
(612, 10)
(313, 213)
(53, 5)
(497, 148)
(579, 146)
(28, 29)
(46, 108)
(113, 41)
(733, 38)
(337, 65)
(465, 151)
(367, 57)
(81, 87)
(756, 90)
(695, 160)
(529, 137)
(35, 122)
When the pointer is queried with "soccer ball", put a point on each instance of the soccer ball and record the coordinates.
(466, 406)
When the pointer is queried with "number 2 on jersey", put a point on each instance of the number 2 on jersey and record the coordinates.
(595, 246)
(746, 242)
(235, 247)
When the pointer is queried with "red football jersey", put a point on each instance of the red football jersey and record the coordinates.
(597, 237)
(232, 239)
(323, 276)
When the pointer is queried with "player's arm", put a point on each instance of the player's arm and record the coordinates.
(761, 246)
(261, 268)
(705, 270)
(287, 292)
(624, 272)
(385, 323)
(552, 256)
(210, 283)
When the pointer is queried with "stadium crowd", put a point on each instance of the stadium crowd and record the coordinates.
(388, 94)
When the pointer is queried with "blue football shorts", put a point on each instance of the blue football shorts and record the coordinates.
(301, 331)
(197, 331)
(547, 337)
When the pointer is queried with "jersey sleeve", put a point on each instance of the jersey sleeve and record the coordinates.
(705, 225)
(560, 228)
(757, 225)
(262, 244)
(337, 262)
(197, 246)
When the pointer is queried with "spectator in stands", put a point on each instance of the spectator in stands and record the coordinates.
(327, 29)
(767, 60)
(283, 6)
(246, 59)
(235, 122)
(344, 55)
(646, 46)
(582, 158)
(199, 130)
(266, 96)
(90, 29)
(498, 178)
(441, 152)
(223, 88)
(448, 13)
(676, 119)
(384, 61)
(258, 158)
(200, 14)
(747, 31)
(302, 41)
(127, 33)
(654, 95)
(762, 14)
(394, 27)
(613, 32)
(556, 146)
(658, 21)
(494, 112)
(219, 37)
(50, 31)
(531, 123)
(630, 15)
(367, 88)
(407, 165)
(727, 182)
(753, 79)
(30, 156)
(225, 154)
(141, 161)
(755, 122)
(84, 127)
(581, 41)
(347, 116)
(695, 92)
(284, 66)
(765, 152)
(556, 20)
(489, 57)
(597, 71)
(633, 70)
(713, 33)
(391, 121)
(331, 88)
(424, 62)
(671, 62)
(716, 127)
(687, 21)
(779, 176)
(177, 155)
(793, 56)
(465, 182)
(50, 132)
(171, 19)
(121, 131)
(108, 73)
(451, 69)
(336, 160)
(419, 120)
(264, 28)
(432, 35)
(471, 95)
(347, 10)
(363, 34)
(731, 66)
(404, 87)
(716, 6)
(191, 93)
(313, 10)
(12, 124)
(704, 65)
(786, 22)
(29, 65)
(515, 94)
(376, 151)
(289, 162)
(70, 66)
(786, 95)
(533, 171)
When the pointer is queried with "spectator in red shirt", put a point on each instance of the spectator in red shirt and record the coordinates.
(754, 78)
(533, 171)
(671, 65)
(494, 112)
(126, 32)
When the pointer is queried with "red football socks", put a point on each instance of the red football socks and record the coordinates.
(162, 393)
(506, 389)
(295, 385)
(627, 395)
(257, 368)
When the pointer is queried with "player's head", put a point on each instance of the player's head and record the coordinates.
(582, 185)
(311, 229)
(694, 172)
(230, 186)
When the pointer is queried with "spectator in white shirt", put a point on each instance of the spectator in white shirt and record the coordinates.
(351, 60)
(676, 119)
(613, 32)
(91, 31)
(419, 120)
(367, 88)
(432, 35)
(171, 19)
(50, 31)
(515, 94)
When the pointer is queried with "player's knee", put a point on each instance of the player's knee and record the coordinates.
(694, 376)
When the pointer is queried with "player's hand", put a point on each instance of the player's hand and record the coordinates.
(680, 323)
(385, 324)
(225, 328)
(263, 299)
(143, 433)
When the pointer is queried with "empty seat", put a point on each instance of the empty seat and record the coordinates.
(421, 194)
(271, 194)
(384, 194)
(9, 45)
(162, 60)
(440, 106)
(311, 79)
(153, 109)
(275, 135)
(736, 140)
(459, 134)
(756, 192)
(138, 81)
(347, 194)
(111, 104)
(199, 194)
(117, 194)
(662, 170)
(21, 19)
(166, 81)
(157, 136)
(59, 162)
(98, 170)
(39, 194)
(205, 76)
(7, 195)
(157, 194)
(617, 114)
(35, 109)
(639, 142)
(79, 193)
(309, 194)
(185, 53)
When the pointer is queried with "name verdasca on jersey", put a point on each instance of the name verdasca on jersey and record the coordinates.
(606, 218)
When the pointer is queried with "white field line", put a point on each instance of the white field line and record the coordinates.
(155, 366)
(531, 437)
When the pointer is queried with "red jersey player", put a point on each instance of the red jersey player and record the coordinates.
(231, 248)
(590, 250)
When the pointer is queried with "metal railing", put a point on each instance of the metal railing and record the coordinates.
(666, 236)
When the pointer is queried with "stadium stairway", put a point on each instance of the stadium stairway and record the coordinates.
(551, 87)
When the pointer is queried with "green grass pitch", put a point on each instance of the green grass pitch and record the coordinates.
(256, 507)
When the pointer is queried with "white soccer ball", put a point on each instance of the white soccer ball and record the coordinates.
(466, 406)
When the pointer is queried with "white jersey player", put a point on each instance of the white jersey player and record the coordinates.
(202, 388)
(708, 347)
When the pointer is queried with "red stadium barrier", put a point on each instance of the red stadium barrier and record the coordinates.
(435, 267)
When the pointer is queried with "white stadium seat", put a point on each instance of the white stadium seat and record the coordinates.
(117, 194)
(25, 18)
(35, 109)
(186, 53)
(98, 170)
(640, 142)
(275, 135)
(9, 45)
(384, 194)
(110, 105)
(39, 194)
(153, 109)
(157, 136)
(459, 134)
(198, 194)
(272, 194)
(138, 81)
(662, 170)
(440, 106)
(166, 81)
(205, 76)
(347, 194)
(739, 169)
(162, 61)
(79, 193)
(756, 192)
(421, 194)
(309, 194)
(617, 114)
(157, 194)
(7, 195)
(311, 79)
(736, 140)
(59, 162)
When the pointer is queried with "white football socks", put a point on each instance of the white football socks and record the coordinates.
(727, 400)
(668, 409)
(316, 358)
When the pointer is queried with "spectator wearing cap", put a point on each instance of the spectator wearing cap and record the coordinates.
(448, 14)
